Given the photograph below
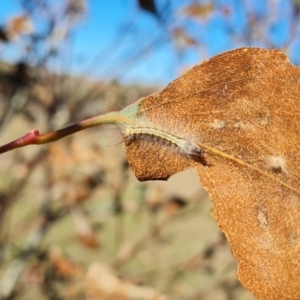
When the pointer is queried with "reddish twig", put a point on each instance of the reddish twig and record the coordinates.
(35, 138)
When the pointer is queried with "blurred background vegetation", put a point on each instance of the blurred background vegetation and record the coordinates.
(74, 221)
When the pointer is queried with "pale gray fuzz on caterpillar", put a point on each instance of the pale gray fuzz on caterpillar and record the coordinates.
(184, 146)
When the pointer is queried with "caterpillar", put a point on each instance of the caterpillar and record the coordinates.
(185, 146)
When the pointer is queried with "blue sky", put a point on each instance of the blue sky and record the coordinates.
(118, 41)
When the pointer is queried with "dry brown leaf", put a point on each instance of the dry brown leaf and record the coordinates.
(84, 231)
(63, 265)
(242, 108)
(101, 282)
(182, 39)
(125, 251)
(19, 25)
(198, 10)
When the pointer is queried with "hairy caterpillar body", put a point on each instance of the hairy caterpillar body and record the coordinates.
(185, 147)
